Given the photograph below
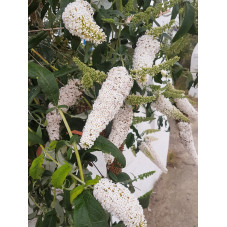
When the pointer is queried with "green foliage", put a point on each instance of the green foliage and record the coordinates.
(60, 56)
(60, 174)
(138, 100)
(75, 192)
(137, 120)
(46, 81)
(157, 31)
(104, 145)
(141, 74)
(88, 211)
(90, 75)
(34, 139)
(144, 199)
(36, 170)
(148, 131)
(187, 22)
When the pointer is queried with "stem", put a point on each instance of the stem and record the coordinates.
(87, 102)
(74, 144)
(33, 200)
(72, 175)
(44, 59)
(46, 29)
(53, 203)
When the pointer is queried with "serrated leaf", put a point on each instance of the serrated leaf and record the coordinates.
(104, 145)
(60, 174)
(187, 22)
(34, 139)
(88, 211)
(75, 192)
(36, 170)
(50, 219)
(46, 81)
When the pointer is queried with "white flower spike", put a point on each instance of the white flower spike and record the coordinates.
(120, 202)
(121, 125)
(150, 152)
(68, 95)
(78, 19)
(111, 97)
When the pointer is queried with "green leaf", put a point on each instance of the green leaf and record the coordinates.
(130, 140)
(34, 139)
(123, 177)
(36, 39)
(64, 71)
(75, 192)
(50, 219)
(88, 212)
(75, 42)
(39, 222)
(44, 10)
(33, 93)
(60, 174)
(53, 4)
(112, 176)
(104, 145)
(144, 200)
(187, 22)
(33, 6)
(46, 81)
(175, 12)
(92, 182)
(36, 170)
(52, 145)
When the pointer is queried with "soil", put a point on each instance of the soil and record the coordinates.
(174, 201)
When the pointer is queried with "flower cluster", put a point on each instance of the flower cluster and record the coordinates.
(164, 106)
(186, 107)
(145, 51)
(68, 95)
(118, 201)
(185, 133)
(155, 32)
(138, 99)
(141, 74)
(111, 97)
(90, 75)
(78, 19)
(121, 125)
(150, 152)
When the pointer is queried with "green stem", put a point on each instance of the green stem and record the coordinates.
(53, 203)
(74, 144)
(49, 156)
(33, 200)
(87, 102)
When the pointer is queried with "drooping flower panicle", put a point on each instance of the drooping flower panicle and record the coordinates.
(78, 19)
(68, 95)
(111, 97)
(164, 106)
(150, 152)
(185, 133)
(118, 201)
(145, 51)
(186, 107)
(121, 125)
